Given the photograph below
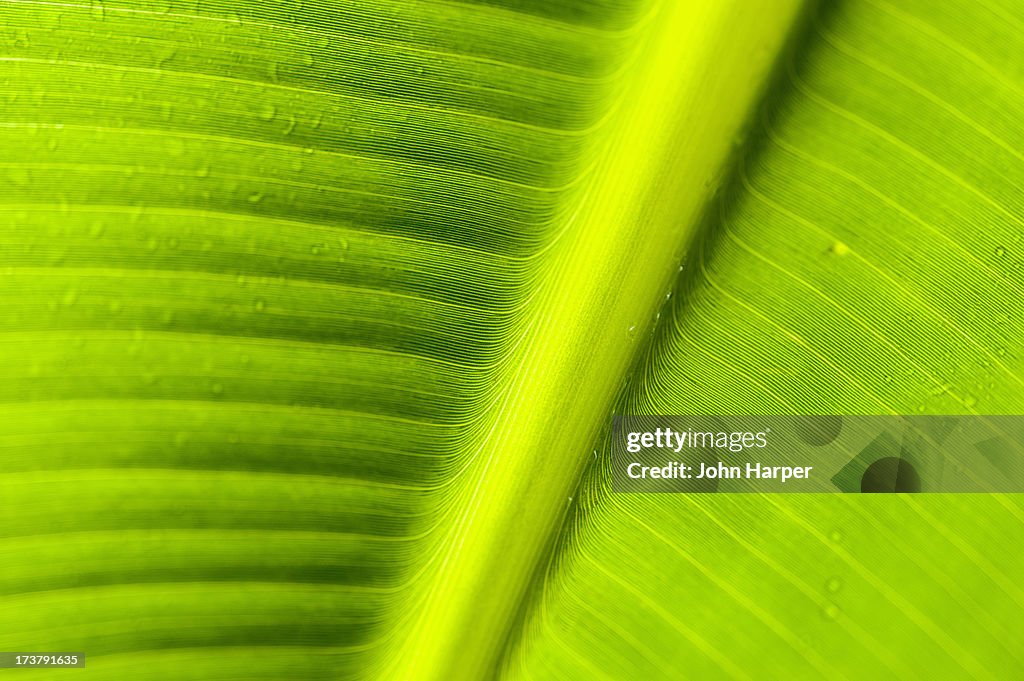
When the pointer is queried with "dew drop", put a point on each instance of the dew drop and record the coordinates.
(833, 585)
(839, 248)
(267, 112)
(165, 55)
(1000, 251)
(832, 612)
(836, 535)
(290, 127)
(259, 305)
(217, 389)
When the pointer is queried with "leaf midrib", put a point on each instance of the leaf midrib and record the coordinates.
(704, 67)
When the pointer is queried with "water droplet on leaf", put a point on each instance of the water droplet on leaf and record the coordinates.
(267, 112)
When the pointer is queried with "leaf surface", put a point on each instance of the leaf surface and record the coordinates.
(866, 260)
(313, 313)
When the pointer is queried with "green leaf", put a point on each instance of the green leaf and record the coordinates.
(865, 260)
(314, 312)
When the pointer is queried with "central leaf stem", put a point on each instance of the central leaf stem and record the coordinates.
(698, 75)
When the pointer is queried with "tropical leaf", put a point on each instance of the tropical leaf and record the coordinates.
(314, 312)
(866, 261)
